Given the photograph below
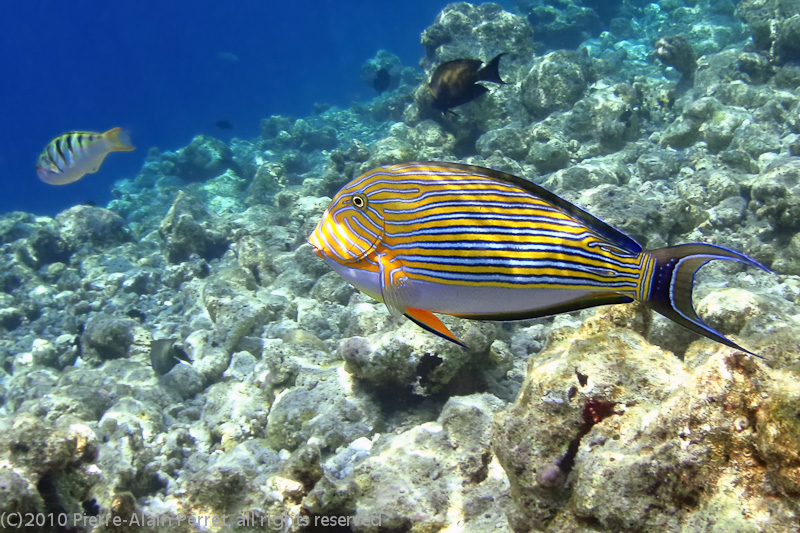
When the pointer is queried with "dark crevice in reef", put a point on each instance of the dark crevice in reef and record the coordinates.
(394, 398)
(427, 365)
(465, 145)
(594, 411)
(49, 491)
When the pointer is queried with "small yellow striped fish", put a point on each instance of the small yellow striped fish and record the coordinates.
(478, 243)
(69, 157)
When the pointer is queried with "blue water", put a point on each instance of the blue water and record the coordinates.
(166, 71)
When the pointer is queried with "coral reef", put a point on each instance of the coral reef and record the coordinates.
(649, 463)
(184, 352)
(204, 158)
(676, 51)
(382, 72)
(774, 26)
(556, 82)
(565, 24)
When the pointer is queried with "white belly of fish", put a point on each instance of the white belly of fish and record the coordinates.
(461, 299)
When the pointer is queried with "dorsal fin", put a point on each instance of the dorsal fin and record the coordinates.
(602, 229)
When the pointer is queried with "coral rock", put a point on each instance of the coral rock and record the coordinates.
(555, 82)
(190, 229)
(204, 158)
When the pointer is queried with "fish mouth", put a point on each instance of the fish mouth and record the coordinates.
(334, 241)
(316, 243)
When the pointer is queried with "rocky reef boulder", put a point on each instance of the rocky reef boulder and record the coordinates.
(297, 134)
(608, 427)
(323, 405)
(84, 225)
(463, 30)
(774, 26)
(787, 42)
(16, 225)
(106, 337)
(510, 140)
(579, 380)
(46, 471)
(382, 72)
(410, 359)
(778, 195)
(204, 158)
(84, 229)
(189, 228)
(437, 474)
(565, 24)
(46, 245)
(269, 178)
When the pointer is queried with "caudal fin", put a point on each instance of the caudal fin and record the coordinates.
(118, 140)
(673, 280)
(491, 72)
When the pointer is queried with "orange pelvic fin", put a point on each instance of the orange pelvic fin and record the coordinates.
(430, 322)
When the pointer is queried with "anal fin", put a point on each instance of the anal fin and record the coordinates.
(430, 322)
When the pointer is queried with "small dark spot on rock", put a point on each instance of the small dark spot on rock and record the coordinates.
(19, 447)
(135, 313)
(595, 411)
(90, 507)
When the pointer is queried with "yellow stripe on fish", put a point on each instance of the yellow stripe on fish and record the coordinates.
(69, 157)
(478, 243)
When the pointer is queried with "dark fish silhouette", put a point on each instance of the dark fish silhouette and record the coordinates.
(625, 117)
(138, 315)
(382, 81)
(224, 125)
(164, 355)
(455, 82)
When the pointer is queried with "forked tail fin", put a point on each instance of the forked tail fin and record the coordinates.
(672, 280)
(491, 72)
(118, 140)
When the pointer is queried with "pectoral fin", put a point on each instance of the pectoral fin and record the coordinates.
(394, 285)
(395, 291)
(96, 166)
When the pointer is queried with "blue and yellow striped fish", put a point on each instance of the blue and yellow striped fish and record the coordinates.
(477, 243)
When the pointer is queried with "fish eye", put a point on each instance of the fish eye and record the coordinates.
(359, 201)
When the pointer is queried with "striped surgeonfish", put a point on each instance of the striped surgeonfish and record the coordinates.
(478, 243)
(69, 157)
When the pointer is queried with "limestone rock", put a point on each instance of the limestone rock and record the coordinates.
(190, 229)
